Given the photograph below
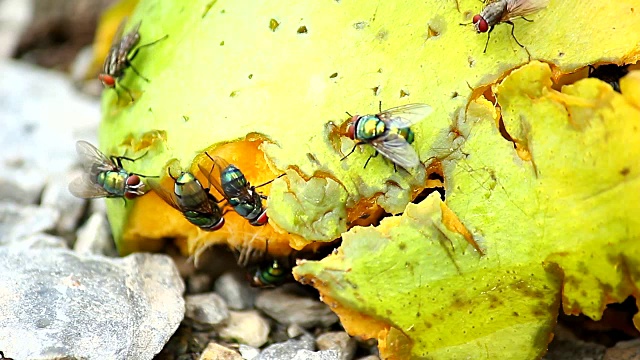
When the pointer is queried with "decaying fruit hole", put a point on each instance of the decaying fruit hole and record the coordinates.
(504, 133)
(435, 182)
(366, 212)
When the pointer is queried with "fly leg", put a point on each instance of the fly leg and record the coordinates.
(263, 184)
(513, 28)
(134, 53)
(488, 37)
(138, 73)
(369, 158)
(351, 152)
(126, 89)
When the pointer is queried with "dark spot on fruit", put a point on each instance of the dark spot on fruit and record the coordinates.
(403, 93)
(302, 30)
(402, 246)
(273, 24)
(625, 171)
(333, 76)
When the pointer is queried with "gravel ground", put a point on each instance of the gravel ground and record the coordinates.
(65, 294)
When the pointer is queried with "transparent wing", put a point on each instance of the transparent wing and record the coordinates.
(397, 149)
(115, 42)
(85, 187)
(213, 173)
(92, 159)
(165, 194)
(406, 115)
(517, 8)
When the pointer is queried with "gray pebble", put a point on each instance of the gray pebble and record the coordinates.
(19, 221)
(206, 310)
(198, 283)
(94, 237)
(235, 289)
(40, 241)
(287, 349)
(340, 341)
(58, 304)
(287, 307)
(316, 355)
(56, 195)
(248, 352)
(245, 327)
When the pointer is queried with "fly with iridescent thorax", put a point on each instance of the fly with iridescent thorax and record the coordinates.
(231, 183)
(389, 132)
(104, 176)
(188, 196)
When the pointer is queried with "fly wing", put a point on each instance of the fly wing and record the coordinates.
(164, 186)
(84, 186)
(128, 41)
(397, 149)
(92, 159)
(518, 8)
(213, 173)
(406, 115)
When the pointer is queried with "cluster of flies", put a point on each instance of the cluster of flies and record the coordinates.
(389, 132)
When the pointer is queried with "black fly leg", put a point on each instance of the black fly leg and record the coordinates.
(369, 158)
(350, 152)
(138, 73)
(134, 53)
(488, 37)
(127, 90)
(513, 28)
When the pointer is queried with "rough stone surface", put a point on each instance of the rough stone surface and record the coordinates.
(248, 352)
(624, 350)
(288, 349)
(56, 195)
(215, 351)
(245, 327)
(340, 341)
(574, 350)
(206, 310)
(55, 304)
(316, 355)
(18, 221)
(235, 289)
(41, 117)
(40, 241)
(15, 16)
(289, 307)
(94, 237)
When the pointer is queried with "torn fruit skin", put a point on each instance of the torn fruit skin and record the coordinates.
(289, 100)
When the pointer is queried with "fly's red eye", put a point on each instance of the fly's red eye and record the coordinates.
(351, 129)
(133, 180)
(482, 26)
(107, 80)
(218, 225)
(262, 219)
(130, 195)
(476, 18)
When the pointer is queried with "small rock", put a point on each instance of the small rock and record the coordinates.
(215, 351)
(59, 305)
(624, 350)
(15, 17)
(295, 330)
(94, 237)
(340, 341)
(288, 307)
(574, 350)
(245, 327)
(40, 241)
(44, 116)
(316, 355)
(287, 349)
(206, 310)
(20, 221)
(248, 352)
(56, 195)
(235, 289)
(198, 283)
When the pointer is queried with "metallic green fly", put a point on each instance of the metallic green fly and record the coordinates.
(389, 132)
(230, 182)
(189, 197)
(104, 177)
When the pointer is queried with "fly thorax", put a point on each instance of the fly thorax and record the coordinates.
(113, 181)
(181, 181)
(369, 127)
(493, 12)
